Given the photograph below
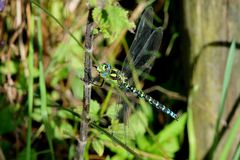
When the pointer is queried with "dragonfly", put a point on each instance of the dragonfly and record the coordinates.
(142, 54)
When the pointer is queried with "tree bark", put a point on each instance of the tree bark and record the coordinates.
(210, 27)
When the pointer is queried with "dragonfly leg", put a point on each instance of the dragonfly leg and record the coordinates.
(87, 79)
(89, 76)
(92, 80)
(98, 79)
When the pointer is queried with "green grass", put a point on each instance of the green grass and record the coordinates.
(234, 131)
(30, 89)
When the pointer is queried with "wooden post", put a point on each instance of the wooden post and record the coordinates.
(210, 27)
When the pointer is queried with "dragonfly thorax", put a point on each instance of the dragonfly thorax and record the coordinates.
(104, 70)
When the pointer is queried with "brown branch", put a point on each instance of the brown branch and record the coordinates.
(87, 88)
(170, 94)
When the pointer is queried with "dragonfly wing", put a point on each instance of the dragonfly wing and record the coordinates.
(142, 54)
(144, 48)
(142, 35)
(146, 57)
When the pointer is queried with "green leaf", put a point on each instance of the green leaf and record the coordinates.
(63, 114)
(138, 122)
(174, 129)
(113, 111)
(9, 67)
(94, 109)
(112, 20)
(62, 130)
(77, 87)
(36, 115)
(6, 119)
(168, 139)
(118, 18)
(98, 146)
(142, 142)
(147, 110)
(23, 156)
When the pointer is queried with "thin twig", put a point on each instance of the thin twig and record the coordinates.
(87, 87)
(170, 94)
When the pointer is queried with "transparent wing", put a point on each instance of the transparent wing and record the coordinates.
(145, 59)
(145, 45)
(143, 32)
(142, 53)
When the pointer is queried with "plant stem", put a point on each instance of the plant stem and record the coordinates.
(87, 87)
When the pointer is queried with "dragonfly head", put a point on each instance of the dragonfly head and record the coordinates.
(104, 69)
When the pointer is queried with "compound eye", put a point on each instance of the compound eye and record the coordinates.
(106, 67)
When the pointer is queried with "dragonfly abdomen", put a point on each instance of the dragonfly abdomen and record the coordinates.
(160, 106)
(149, 99)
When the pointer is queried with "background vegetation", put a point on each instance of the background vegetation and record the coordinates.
(42, 56)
